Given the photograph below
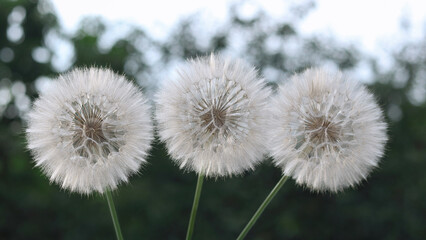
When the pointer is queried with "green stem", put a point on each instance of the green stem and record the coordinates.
(114, 215)
(262, 207)
(195, 207)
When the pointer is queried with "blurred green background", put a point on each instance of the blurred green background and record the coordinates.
(156, 203)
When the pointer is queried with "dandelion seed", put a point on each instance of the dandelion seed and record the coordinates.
(90, 131)
(213, 116)
(328, 132)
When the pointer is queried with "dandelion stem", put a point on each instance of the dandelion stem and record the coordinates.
(262, 207)
(113, 215)
(195, 207)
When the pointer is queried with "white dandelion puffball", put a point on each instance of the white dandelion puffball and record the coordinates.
(212, 117)
(327, 132)
(90, 130)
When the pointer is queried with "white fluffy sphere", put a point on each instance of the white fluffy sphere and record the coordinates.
(213, 116)
(327, 132)
(90, 130)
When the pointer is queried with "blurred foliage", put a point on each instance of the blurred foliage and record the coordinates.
(156, 203)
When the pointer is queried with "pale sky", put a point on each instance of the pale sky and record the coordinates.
(371, 23)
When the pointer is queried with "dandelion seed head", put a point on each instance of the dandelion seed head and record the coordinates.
(328, 132)
(90, 131)
(212, 117)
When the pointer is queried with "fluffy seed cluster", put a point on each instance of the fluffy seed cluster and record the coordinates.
(213, 116)
(90, 131)
(327, 132)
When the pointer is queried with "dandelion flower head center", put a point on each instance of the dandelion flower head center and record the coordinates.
(323, 126)
(322, 130)
(215, 118)
(95, 135)
(89, 124)
(219, 109)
